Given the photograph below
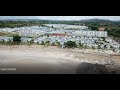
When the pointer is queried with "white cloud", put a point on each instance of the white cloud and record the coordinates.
(18, 17)
(61, 17)
(78, 17)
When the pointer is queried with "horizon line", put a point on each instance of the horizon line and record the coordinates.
(53, 19)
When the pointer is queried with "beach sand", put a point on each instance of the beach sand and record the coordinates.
(37, 59)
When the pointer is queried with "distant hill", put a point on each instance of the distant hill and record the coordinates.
(20, 19)
(98, 21)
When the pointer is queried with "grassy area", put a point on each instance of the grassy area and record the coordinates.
(8, 34)
(3, 33)
(11, 35)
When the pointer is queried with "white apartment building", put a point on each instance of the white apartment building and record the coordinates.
(66, 27)
(78, 27)
(91, 33)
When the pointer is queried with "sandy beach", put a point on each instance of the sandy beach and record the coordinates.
(37, 59)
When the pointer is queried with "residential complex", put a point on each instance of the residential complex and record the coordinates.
(62, 33)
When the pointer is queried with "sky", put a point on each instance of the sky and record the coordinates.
(114, 18)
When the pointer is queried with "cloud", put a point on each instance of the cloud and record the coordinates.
(61, 17)
(78, 17)
(18, 17)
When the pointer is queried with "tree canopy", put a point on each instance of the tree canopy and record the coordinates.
(16, 39)
(70, 44)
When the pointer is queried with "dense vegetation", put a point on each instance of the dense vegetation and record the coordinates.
(114, 32)
(113, 27)
(13, 24)
(16, 39)
(70, 44)
(8, 34)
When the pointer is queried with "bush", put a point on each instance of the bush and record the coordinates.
(47, 43)
(59, 44)
(31, 41)
(9, 42)
(80, 46)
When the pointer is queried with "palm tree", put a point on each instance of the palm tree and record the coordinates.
(47, 43)
(93, 47)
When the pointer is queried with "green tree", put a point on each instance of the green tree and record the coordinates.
(80, 45)
(16, 39)
(37, 43)
(70, 44)
(42, 43)
(105, 47)
(99, 47)
(103, 38)
(111, 47)
(32, 41)
(94, 28)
